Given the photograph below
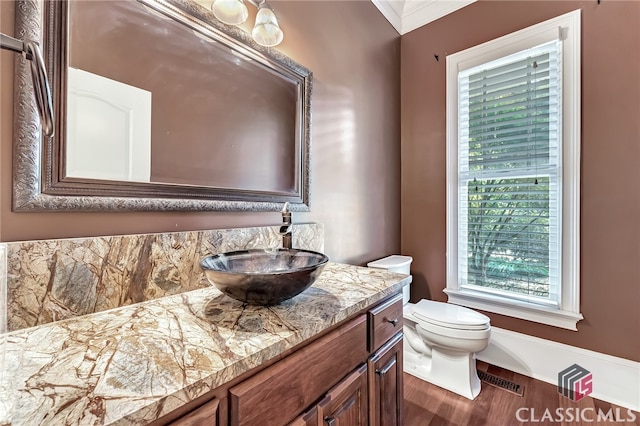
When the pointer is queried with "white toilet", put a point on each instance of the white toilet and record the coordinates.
(440, 339)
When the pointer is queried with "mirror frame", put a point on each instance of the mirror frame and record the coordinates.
(38, 167)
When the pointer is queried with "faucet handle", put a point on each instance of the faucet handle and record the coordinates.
(285, 229)
(286, 214)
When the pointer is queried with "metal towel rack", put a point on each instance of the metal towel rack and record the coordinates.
(31, 51)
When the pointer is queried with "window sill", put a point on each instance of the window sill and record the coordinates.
(517, 309)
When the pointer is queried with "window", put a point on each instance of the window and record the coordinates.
(513, 137)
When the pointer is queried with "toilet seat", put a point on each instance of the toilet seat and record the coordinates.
(449, 316)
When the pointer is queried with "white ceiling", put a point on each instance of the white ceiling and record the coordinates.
(407, 15)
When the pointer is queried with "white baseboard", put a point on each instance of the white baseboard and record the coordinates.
(615, 380)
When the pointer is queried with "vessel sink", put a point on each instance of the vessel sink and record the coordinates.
(264, 277)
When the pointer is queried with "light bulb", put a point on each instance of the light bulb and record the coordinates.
(232, 12)
(266, 32)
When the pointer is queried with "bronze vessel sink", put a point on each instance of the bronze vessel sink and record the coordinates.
(264, 276)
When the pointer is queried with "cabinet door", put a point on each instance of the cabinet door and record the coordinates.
(346, 403)
(206, 414)
(385, 384)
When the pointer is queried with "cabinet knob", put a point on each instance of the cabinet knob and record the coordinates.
(330, 421)
(393, 321)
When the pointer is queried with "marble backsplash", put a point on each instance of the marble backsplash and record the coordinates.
(51, 280)
(3, 293)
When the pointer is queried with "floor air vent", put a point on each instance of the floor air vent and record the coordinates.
(501, 383)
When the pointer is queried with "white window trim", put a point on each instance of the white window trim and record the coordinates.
(567, 28)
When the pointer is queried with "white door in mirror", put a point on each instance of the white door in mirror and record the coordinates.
(108, 129)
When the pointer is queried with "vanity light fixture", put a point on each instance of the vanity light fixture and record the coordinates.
(266, 31)
(232, 12)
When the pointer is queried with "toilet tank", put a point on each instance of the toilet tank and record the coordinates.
(396, 263)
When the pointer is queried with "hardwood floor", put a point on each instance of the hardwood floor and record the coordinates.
(428, 405)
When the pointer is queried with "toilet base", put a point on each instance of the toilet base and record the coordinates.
(453, 372)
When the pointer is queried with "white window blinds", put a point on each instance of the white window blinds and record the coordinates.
(509, 174)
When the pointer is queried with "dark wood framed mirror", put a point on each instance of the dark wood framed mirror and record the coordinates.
(158, 106)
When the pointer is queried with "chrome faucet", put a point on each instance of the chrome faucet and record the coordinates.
(285, 229)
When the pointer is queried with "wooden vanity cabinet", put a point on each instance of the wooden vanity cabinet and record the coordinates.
(351, 376)
(373, 393)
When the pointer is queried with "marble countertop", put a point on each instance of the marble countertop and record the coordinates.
(134, 364)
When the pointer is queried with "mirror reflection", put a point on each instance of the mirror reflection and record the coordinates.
(151, 100)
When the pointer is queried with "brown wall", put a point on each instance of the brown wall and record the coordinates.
(354, 54)
(610, 236)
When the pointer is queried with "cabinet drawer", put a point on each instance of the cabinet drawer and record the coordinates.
(385, 320)
(276, 395)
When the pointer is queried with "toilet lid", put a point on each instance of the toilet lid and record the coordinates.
(451, 316)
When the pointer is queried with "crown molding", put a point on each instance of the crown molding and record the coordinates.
(392, 10)
(407, 15)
